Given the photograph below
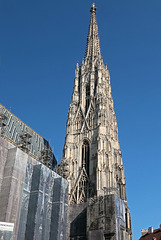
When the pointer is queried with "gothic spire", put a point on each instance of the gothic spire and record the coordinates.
(93, 42)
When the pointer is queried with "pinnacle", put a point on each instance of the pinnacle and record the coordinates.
(93, 8)
(93, 47)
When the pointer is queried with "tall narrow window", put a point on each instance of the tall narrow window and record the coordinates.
(87, 97)
(85, 156)
(96, 77)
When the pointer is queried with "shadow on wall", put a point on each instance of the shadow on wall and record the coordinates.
(78, 226)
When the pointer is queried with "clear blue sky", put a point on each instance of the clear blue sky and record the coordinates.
(40, 43)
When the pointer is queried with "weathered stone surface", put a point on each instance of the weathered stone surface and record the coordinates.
(95, 235)
(92, 160)
(77, 220)
(107, 213)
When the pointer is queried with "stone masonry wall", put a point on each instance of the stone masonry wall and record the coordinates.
(106, 213)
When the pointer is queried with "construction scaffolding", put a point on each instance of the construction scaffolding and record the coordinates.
(2, 124)
(22, 136)
(46, 156)
(25, 142)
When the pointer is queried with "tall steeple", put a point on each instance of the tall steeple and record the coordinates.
(93, 43)
(92, 160)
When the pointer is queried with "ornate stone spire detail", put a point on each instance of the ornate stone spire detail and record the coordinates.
(92, 160)
(93, 43)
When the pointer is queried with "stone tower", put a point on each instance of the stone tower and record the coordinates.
(92, 160)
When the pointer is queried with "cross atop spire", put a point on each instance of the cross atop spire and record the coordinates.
(93, 43)
(93, 8)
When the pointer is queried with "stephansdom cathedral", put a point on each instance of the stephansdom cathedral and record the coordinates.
(35, 202)
(92, 160)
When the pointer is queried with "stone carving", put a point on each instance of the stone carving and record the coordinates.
(93, 124)
(79, 192)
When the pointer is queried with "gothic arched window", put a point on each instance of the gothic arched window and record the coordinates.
(85, 156)
(96, 77)
(87, 97)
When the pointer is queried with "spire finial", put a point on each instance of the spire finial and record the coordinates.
(93, 8)
(93, 46)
